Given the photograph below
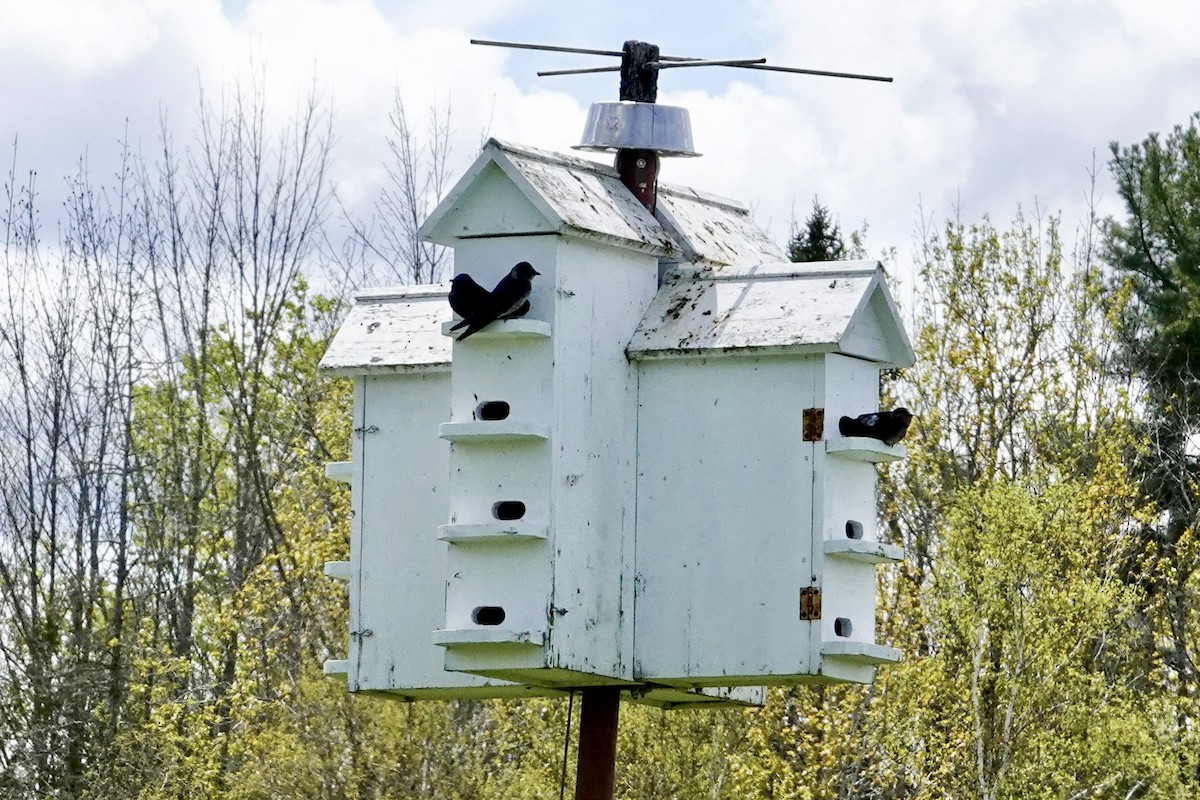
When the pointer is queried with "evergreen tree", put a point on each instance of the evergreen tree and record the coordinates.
(1156, 252)
(1158, 247)
(819, 240)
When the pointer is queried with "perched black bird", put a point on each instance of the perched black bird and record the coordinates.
(509, 299)
(466, 296)
(888, 427)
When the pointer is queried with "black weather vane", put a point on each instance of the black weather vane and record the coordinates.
(641, 62)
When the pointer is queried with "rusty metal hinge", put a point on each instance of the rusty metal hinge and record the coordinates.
(814, 424)
(810, 603)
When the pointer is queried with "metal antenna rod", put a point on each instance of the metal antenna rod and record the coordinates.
(718, 62)
(853, 75)
(679, 61)
(725, 62)
(550, 47)
(583, 71)
(546, 73)
(582, 50)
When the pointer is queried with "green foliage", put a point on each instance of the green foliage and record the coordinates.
(680, 753)
(1026, 610)
(819, 239)
(1158, 245)
(1048, 608)
(1156, 251)
(1016, 501)
(279, 611)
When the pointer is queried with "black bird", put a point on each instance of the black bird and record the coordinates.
(467, 298)
(509, 299)
(888, 427)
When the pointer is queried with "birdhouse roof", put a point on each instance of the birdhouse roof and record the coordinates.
(514, 190)
(783, 308)
(392, 330)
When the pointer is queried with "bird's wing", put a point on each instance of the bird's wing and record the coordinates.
(520, 311)
(477, 295)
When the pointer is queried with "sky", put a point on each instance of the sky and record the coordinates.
(994, 105)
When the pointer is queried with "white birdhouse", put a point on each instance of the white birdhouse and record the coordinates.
(756, 518)
(391, 344)
(508, 561)
(617, 488)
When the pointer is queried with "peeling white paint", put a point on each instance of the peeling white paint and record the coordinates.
(573, 195)
(774, 308)
(585, 199)
(392, 330)
(712, 230)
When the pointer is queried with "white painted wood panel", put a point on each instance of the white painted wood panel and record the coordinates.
(602, 295)
(724, 521)
(397, 564)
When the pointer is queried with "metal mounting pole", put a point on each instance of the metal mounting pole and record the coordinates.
(596, 764)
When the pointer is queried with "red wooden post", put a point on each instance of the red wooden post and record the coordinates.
(639, 172)
(596, 764)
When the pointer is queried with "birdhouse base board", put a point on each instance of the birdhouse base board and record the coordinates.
(492, 691)
(831, 670)
(863, 449)
(669, 697)
(526, 667)
(503, 329)
(664, 697)
(863, 551)
(501, 431)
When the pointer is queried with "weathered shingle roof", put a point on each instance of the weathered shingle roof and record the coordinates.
(713, 230)
(583, 198)
(392, 330)
(733, 293)
(837, 306)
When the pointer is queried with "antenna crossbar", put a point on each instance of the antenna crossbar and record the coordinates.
(697, 62)
(552, 48)
(824, 73)
(545, 73)
(718, 62)
(668, 62)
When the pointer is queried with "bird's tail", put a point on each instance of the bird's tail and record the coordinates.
(849, 426)
(471, 330)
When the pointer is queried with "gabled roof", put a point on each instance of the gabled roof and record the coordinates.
(836, 306)
(392, 330)
(713, 230)
(512, 190)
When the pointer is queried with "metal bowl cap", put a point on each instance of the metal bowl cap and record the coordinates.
(627, 125)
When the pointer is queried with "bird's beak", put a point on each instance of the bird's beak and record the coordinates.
(535, 272)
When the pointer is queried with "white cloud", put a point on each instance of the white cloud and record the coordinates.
(78, 36)
(993, 104)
